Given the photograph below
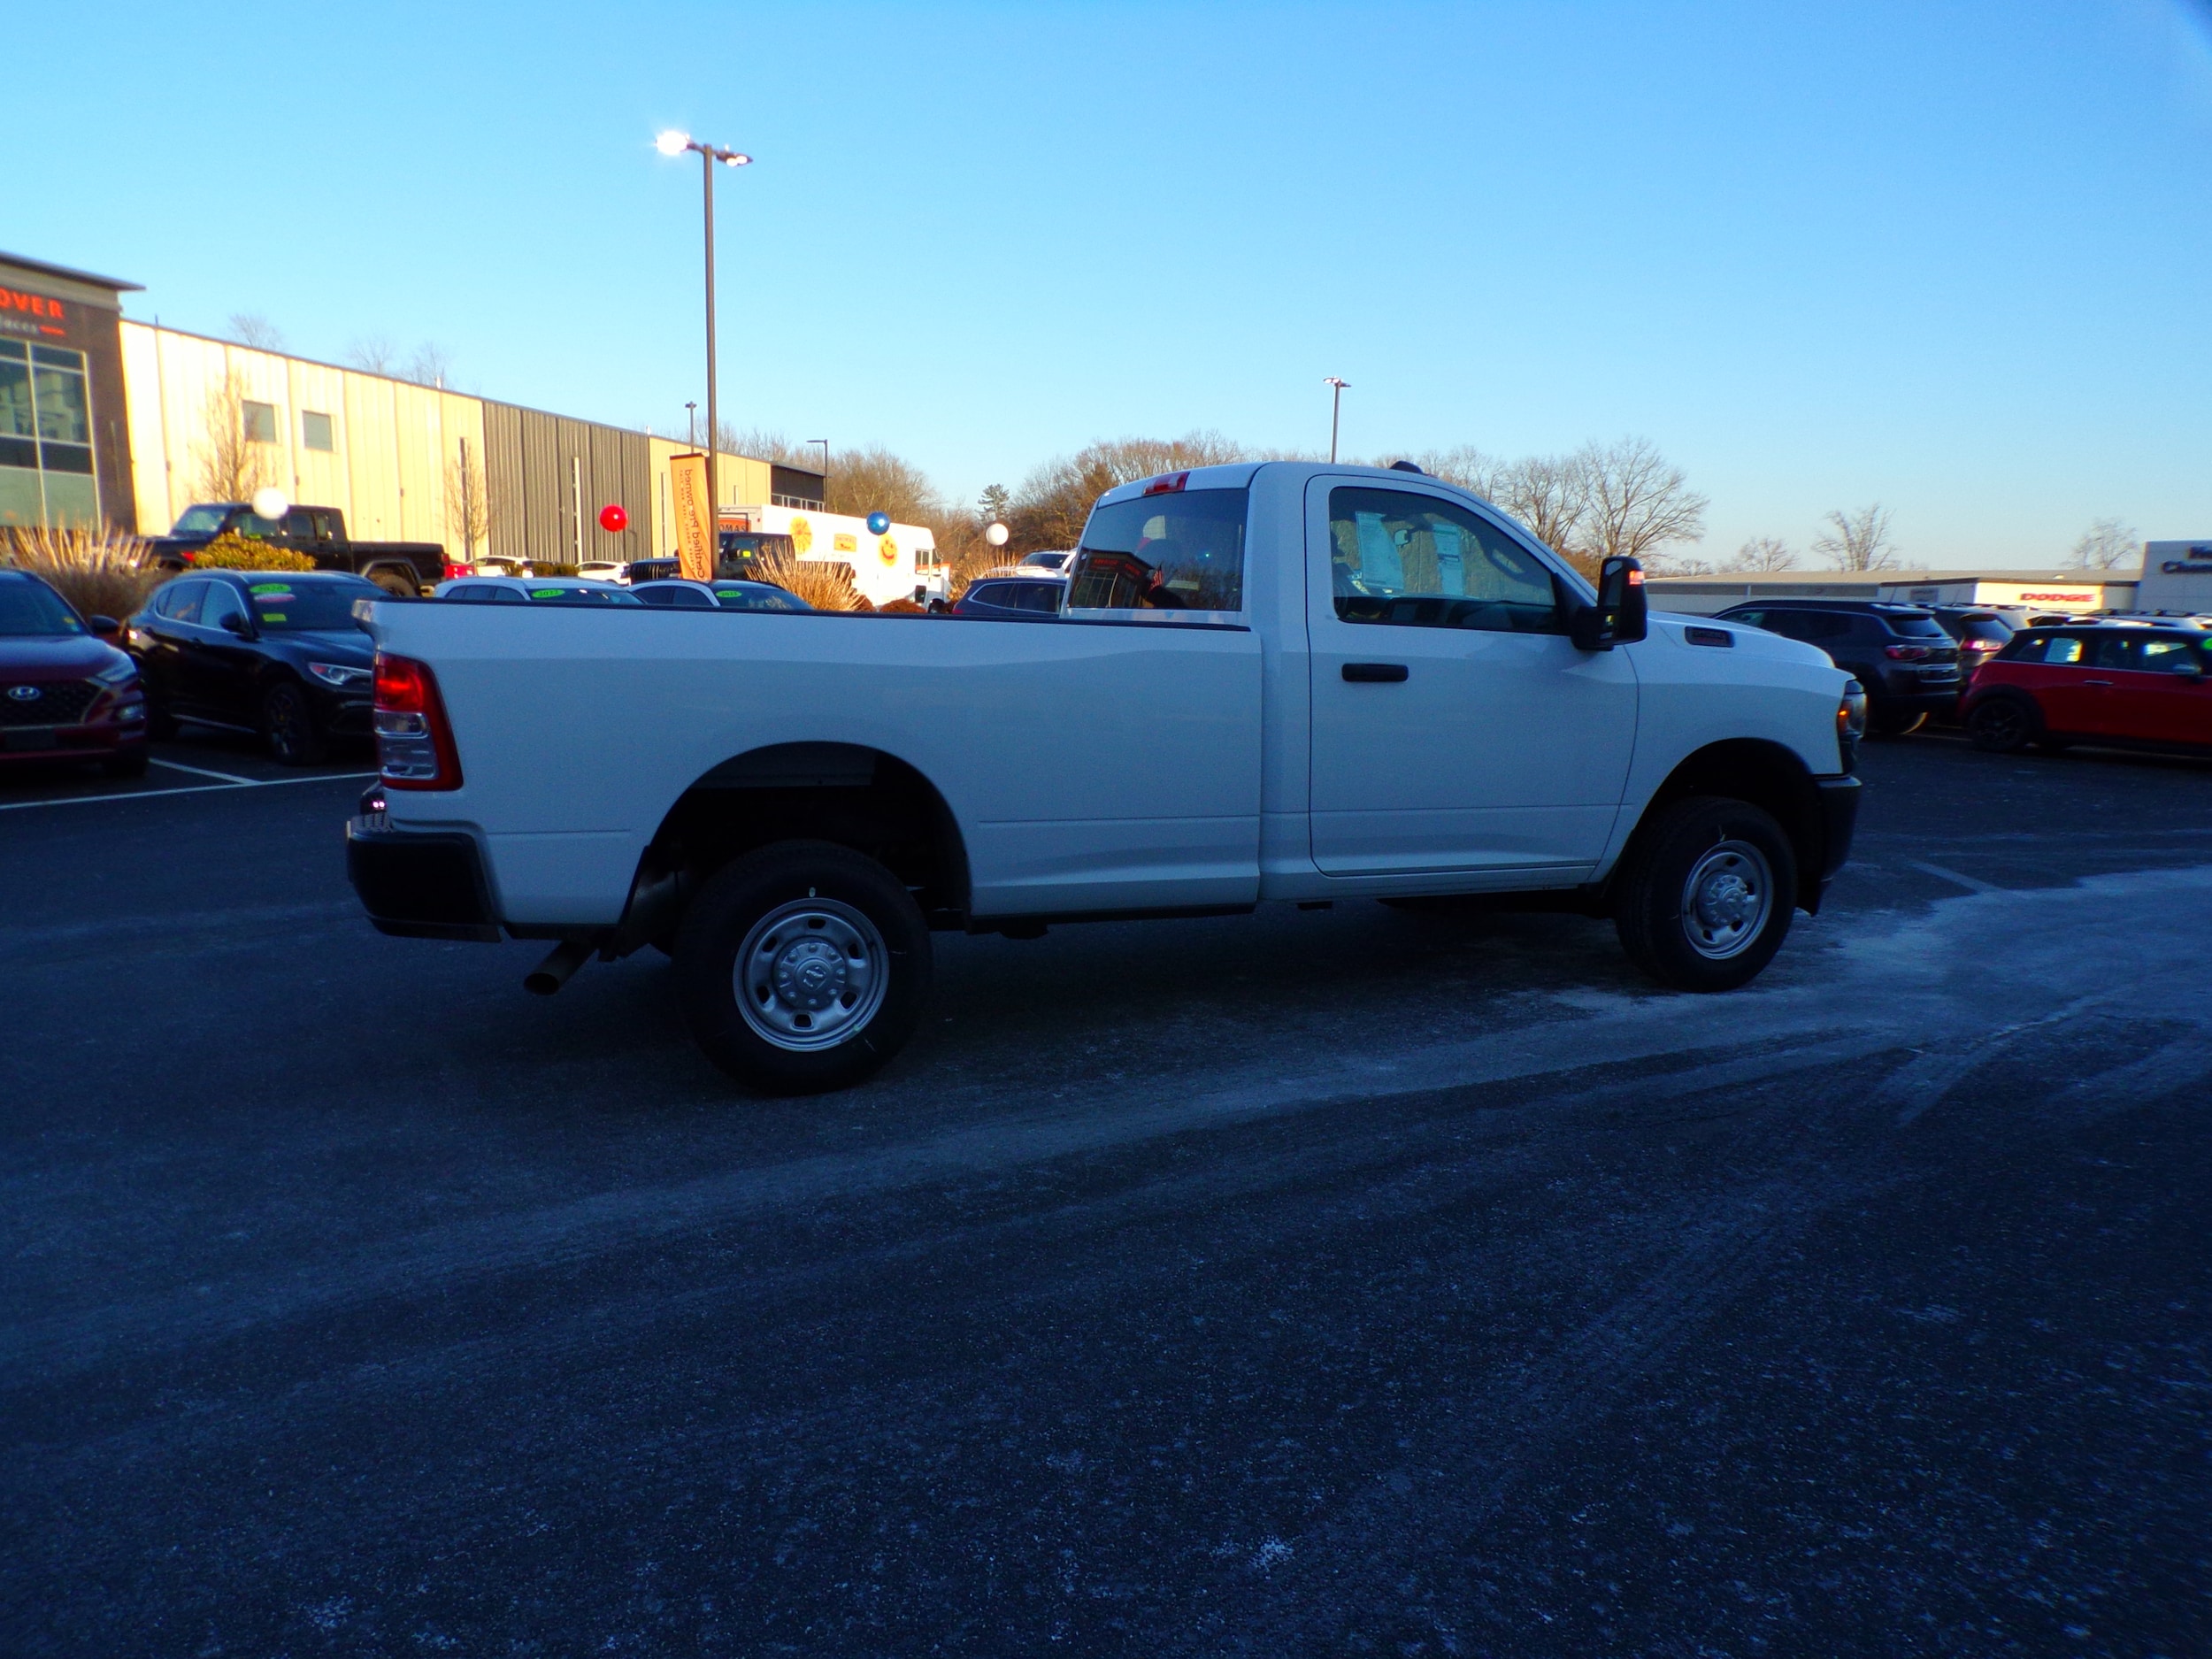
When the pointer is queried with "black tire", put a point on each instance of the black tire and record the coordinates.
(866, 993)
(2004, 726)
(287, 724)
(160, 722)
(130, 762)
(393, 583)
(1678, 915)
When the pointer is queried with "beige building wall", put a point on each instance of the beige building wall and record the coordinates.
(392, 442)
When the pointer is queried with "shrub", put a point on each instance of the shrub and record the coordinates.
(228, 552)
(102, 572)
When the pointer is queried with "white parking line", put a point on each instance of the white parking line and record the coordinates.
(190, 788)
(178, 765)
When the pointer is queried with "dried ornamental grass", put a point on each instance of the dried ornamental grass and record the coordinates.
(825, 586)
(102, 572)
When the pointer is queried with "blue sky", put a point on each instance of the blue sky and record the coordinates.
(1953, 257)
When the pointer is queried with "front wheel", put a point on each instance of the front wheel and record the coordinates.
(803, 967)
(1895, 722)
(2003, 726)
(287, 721)
(1708, 895)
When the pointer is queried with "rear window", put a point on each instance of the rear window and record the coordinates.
(1181, 551)
(1990, 628)
(285, 606)
(759, 599)
(1922, 626)
(549, 594)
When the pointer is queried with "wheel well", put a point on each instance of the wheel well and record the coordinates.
(862, 798)
(1768, 776)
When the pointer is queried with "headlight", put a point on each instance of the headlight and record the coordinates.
(339, 674)
(121, 674)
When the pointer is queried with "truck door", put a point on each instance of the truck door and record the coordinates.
(1455, 727)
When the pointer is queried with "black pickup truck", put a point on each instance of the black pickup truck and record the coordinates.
(405, 568)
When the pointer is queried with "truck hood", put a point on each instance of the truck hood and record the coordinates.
(67, 658)
(1752, 643)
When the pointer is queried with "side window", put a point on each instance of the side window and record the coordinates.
(221, 604)
(1749, 618)
(1415, 561)
(1823, 627)
(2063, 648)
(2169, 654)
(1043, 597)
(179, 601)
(2026, 648)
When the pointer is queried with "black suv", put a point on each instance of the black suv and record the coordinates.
(1909, 664)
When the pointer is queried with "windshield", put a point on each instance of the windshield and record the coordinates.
(288, 606)
(1922, 626)
(581, 596)
(204, 519)
(31, 609)
(1181, 550)
(1990, 628)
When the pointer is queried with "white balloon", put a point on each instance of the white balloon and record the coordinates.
(270, 502)
(995, 535)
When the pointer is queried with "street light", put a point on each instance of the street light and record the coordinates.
(824, 444)
(1336, 403)
(691, 420)
(672, 143)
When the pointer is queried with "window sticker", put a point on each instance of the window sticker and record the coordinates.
(274, 616)
(547, 593)
(284, 588)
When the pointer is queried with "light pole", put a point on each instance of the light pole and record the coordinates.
(691, 414)
(674, 143)
(824, 444)
(1336, 403)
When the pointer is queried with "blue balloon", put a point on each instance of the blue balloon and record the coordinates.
(877, 522)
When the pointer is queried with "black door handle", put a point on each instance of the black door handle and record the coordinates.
(1374, 673)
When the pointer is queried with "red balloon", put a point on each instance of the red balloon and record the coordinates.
(613, 519)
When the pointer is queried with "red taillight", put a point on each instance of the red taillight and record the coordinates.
(1907, 653)
(453, 570)
(414, 741)
(1169, 486)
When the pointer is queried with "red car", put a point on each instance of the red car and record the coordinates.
(2148, 688)
(64, 695)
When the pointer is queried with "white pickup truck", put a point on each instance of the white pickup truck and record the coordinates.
(1274, 682)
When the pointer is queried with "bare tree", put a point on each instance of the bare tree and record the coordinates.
(374, 354)
(1762, 553)
(251, 328)
(1550, 494)
(1049, 508)
(1469, 468)
(468, 510)
(229, 465)
(2106, 545)
(1859, 540)
(429, 366)
(1636, 501)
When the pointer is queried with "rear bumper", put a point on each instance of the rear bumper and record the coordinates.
(420, 884)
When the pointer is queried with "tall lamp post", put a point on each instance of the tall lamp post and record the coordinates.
(1336, 404)
(824, 444)
(674, 143)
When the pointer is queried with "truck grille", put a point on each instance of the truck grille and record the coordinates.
(56, 702)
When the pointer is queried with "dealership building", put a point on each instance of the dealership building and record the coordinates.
(108, 420)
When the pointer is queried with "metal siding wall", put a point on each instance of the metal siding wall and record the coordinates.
(502, 477)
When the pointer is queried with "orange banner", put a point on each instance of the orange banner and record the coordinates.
(695, 543)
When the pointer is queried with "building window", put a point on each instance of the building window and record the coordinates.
(315, 431)
(46, 471)
(259, 420)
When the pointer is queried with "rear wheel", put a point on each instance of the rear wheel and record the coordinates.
(2004, 726)
(399, 586)
(1708, 895)
(160, 722)
(803, 967)
(288, 722)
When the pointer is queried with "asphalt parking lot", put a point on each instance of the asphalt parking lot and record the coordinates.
(1312, 1282)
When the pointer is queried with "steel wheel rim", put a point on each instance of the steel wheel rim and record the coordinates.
(2001, 722)
(809, 974)
(1726, 899)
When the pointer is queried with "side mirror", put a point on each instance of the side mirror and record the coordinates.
(106, 627)
(239, 626)
(1622, 614)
